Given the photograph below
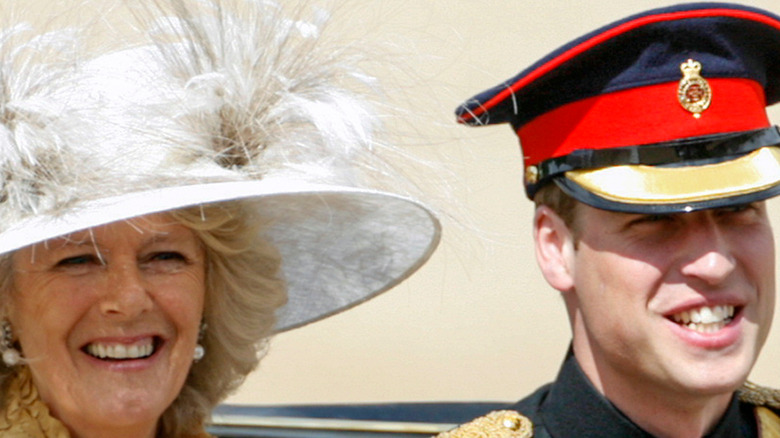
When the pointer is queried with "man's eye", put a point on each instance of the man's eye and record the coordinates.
(652, 218)
(736, 208)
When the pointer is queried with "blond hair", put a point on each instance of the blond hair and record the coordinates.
(243, 291)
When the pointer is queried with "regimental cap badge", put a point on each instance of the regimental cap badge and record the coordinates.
(693, 92)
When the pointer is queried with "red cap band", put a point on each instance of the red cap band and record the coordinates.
(643, 115)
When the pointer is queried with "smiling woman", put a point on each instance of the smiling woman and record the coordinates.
(115, 311)
(165, 208)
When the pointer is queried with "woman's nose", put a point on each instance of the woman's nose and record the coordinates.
(126, 292)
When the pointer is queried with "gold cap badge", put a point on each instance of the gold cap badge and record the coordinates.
(693, 92)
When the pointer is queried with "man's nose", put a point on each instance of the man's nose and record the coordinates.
(708, 252)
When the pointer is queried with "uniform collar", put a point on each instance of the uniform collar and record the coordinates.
(574, 407)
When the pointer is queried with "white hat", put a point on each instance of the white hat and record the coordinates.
(266, 119)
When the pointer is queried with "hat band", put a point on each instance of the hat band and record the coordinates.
(645, 115)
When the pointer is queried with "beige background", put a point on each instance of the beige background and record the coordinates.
(477, 322)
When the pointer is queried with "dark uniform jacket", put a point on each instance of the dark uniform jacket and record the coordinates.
(570, 407)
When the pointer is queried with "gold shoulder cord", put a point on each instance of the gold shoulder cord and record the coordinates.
(497, 424)
(759, 395)
(763, 398)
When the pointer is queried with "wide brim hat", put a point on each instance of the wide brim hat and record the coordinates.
(660, 112)
(190, 122)
(339, 246)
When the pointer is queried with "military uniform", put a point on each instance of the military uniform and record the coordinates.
(571, 407)
(662, 113)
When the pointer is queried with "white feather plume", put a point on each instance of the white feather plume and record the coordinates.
(273, 95)
(223, 90)
(34, 68)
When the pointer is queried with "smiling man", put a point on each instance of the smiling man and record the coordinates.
(649, 154)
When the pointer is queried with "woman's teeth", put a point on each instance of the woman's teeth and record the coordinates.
(121, 351)
(705, 319)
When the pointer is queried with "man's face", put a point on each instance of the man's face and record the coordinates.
(679, 303)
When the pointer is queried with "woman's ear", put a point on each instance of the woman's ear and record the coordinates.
(555, 248)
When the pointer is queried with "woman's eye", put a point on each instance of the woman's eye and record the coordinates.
(76, 260)
(166, 256)
(165, 262)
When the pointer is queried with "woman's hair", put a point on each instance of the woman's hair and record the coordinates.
(243, 291)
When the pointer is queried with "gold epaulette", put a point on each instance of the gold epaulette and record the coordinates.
(766, 401)
(497, 424)
(759, 395)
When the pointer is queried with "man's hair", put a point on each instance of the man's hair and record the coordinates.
(243, 292)
(562, 204)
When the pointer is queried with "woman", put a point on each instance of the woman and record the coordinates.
(159, 204)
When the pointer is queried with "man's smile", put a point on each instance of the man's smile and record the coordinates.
(705, 319)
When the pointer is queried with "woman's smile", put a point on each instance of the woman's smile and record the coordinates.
(123, 351)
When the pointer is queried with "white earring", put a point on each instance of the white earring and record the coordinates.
(11, 356)
(200, 351)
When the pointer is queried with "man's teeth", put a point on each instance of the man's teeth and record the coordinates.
(120, 351)
(705, 319)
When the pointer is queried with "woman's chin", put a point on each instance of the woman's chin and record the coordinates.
(122, 412)
(118, 395)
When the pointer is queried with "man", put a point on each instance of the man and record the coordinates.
(649, 155)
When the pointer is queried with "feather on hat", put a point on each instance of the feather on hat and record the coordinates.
(235, 100)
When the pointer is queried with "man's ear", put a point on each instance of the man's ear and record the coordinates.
(555, 247)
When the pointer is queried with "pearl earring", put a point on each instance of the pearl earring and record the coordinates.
(200, 351)
(11, 356)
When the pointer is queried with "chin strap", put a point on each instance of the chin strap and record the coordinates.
(497, 424)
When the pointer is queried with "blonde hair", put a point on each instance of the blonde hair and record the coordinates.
(243, 291)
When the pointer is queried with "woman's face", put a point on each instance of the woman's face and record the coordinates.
(108, 320)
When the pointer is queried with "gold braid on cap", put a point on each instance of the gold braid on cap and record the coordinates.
(759, 395)
(497, 424)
